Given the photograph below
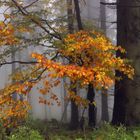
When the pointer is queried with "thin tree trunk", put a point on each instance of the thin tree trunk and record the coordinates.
(91, 92)
(104, 97)
(105, 114)
(78, 16)
(70, 16)
(74, 122)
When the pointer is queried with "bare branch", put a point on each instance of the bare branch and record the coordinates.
(120, 5)
(30, 4)
(108, 3)
(20, 62)
(25, 13)
(39, 76)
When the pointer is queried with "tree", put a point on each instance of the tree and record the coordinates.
(92, 62)
(11, 34)
(11, 110)
(80, 49)
(91, 92)
(104, 94)
(126, 105)
(74, 122)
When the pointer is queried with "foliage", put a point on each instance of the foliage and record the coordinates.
(135, 131)
(36, 130)
(92, 61)
(11, 110)
(90, 55)
(108, 132)
(25, 133)
(38, 125)
(16, 31)
(2, 133)
(105, 132)
(7, 34)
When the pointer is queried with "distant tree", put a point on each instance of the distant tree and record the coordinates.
(104, 94)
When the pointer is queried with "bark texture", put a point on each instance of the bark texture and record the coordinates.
(127, 92)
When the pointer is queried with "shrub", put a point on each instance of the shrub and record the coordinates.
(25, 133)
(108, 132)
(2, 132)
(37, 124)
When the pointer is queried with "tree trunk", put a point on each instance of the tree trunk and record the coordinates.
(104, 101)
(92, 107)
(70, 16)
(91, 93)
(78, 16)
(127, 92)
(74, 122)
(104, 97)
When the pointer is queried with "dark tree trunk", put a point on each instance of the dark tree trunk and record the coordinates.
(92, 108)
(127, 92)
(91, 93)
(70, 16)
(104, 101)
(74, 122)
(119, 102)
(78, 16)
(74, 108)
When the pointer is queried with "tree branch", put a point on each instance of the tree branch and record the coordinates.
(20, 62)
(30, 4)
(39, 76)
(120, 5)
(25, 13)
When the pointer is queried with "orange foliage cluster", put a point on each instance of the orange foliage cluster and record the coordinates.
(92, 60)
(13, 111)
(7, 34)
(47, 90)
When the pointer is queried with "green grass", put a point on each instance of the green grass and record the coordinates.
(38, 130)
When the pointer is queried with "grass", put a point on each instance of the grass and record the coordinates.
(40, 130)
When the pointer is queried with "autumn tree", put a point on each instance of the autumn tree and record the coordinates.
(17, 31)
(10, 109)
(91, 56)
